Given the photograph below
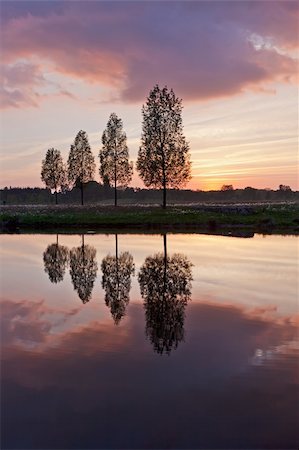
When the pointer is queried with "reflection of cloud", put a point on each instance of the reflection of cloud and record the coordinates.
(23, 322)
(202, 50)
(27, 323)
(199, 399)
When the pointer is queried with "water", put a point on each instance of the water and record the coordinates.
(145, 341)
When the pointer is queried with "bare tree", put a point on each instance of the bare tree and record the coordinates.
(53, 172)
(115, 167)
(81, 164)
(163, 158)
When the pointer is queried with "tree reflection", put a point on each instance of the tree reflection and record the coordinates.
(56, 258)
(165, 284)
(116, 281)
(83, 270)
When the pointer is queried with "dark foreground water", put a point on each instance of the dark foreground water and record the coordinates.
(140, 341)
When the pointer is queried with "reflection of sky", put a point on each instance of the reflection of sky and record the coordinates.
(102, 386)
(72, 379)
(255, 273)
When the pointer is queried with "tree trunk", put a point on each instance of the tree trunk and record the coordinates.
(115, 193)
(164, 194)
(115, 179)
(56, 197)
(82, 200)
(164, 177)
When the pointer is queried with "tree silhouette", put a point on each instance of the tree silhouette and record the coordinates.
(115, 167)
(53, 172)
(56, 258)
(83, 270)
(116, 281)
(165, 285)
(227, 187)
(163, 158)
(81, 164)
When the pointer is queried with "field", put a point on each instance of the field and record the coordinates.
(196, 217)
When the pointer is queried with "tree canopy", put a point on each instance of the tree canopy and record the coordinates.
(115, 168)
(163, 158)
(81, 163)
(53, 172)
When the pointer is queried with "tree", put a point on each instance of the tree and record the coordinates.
(285, 188)
(115, 168)
(56, 258)
(83, 270)
(165, 285)
(116, 281)
(163, 158)
(53, 172)
(81, 164)
(227, 187)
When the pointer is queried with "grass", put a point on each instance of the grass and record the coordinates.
(272, 218)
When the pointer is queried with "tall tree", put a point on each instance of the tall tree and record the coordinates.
(115, 167)
(81, 164)
(163, 158)
(53, 172)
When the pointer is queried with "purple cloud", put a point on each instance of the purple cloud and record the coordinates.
(201, 49)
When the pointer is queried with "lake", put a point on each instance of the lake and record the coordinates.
(149, 341)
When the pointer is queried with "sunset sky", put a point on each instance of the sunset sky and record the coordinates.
(66, 65)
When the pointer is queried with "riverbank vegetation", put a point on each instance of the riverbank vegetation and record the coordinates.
(257, 218)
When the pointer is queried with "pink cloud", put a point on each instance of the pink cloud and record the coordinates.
(203, 50)
(23, 84)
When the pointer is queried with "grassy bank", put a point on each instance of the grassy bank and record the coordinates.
(257, 218)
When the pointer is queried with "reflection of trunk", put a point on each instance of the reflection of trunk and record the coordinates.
(56, 248)
(83, 252)
(116, 259)
(165, 264)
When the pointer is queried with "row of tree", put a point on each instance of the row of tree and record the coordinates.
(95, 192)
(165, 286)
(163, 159)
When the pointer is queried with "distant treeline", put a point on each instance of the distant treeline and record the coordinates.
(95, 192)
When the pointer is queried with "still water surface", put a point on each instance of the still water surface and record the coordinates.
(149, 341)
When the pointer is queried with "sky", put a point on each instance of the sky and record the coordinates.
(67, 65)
